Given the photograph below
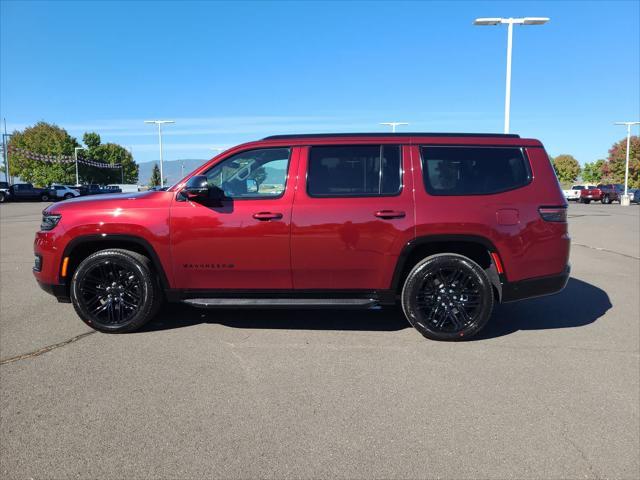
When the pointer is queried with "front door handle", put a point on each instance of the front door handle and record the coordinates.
(266, 216)
(387, 214)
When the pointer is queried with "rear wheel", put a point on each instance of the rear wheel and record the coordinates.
(67, 196)
(115, 291)
(44, 197)
(2, 197)
(606, 200)
(447, 297)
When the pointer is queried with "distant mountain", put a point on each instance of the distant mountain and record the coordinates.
(172, 169)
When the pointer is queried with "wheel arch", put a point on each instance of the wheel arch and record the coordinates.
(81, 247)
(475, 247)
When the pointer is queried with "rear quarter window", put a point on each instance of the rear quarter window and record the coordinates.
(473, 170)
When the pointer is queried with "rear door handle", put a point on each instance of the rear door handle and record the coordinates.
(387, 214)
(265, 216)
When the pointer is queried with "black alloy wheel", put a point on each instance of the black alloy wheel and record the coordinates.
(447, 297)
(44, 197)
(115, 291)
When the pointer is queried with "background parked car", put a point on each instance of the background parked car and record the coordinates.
(605, 193)
(634, 195)
(26, 191)
(4, 192)
(573, 193)
(63, 192)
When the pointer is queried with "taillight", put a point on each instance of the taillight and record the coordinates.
(553, 214)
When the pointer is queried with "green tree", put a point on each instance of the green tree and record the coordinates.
(567, 168)
(592, 172)
(613, 169)
(47, 139)
(154, 181)
(108, 153)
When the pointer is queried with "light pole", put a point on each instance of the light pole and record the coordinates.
(625, 198)
(510, 22)
(75, 155)
(160, 123)
(393, 125)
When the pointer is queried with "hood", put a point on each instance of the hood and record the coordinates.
(111, 200)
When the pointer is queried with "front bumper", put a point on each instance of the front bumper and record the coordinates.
(535, 287)
(59, 291)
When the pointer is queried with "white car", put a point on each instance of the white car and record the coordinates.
(62, 192)
(574, 192)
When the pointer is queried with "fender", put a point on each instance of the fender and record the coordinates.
(109, 238)
(496, 279)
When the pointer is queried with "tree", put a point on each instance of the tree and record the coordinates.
(567, 168)
(109, 153)
(47, 139)
(154, 181)
(592, 172)
(613, 169)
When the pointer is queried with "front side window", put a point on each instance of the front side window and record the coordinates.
(473, 170)
(260, 173)
(354, 171)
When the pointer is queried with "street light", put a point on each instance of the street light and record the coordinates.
(393, 125)
(75, 155)
(509, 22)
(625, 199)
(160, 123)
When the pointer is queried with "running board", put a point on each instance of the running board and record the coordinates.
(282, 302)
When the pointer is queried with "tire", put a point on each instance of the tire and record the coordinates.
(587, 202)
(115, 291)
(67, 196)
(2, 197)
(606, 200)
(44, 197)
(447, 278)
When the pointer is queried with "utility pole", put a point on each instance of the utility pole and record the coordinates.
(5, 153)
(393, 125)
(625, 198)
(160, 123)
(75, 155)
(509, 22)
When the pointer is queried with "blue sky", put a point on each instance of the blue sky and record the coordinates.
(231, 72)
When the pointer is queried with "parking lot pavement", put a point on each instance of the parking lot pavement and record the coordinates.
(550, 390)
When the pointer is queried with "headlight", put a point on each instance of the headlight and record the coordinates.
(49, 221)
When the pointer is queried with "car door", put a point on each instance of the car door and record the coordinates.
(353, 216)
(243, 241)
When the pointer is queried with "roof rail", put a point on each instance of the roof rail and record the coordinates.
(387, 134)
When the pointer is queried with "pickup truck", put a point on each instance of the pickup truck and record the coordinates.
(605, 193)
(26, 191)
(574, 192)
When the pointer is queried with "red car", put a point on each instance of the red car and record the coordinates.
(445, 224)
(602, 193)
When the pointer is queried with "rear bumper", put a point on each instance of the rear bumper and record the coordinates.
(535, 287)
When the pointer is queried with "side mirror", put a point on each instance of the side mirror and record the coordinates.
(197, 187)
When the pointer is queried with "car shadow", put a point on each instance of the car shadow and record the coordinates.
(579, 304)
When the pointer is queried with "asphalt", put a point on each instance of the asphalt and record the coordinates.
(550, 390)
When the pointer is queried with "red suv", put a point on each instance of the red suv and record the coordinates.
(445, 224)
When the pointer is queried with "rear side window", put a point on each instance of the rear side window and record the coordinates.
(354, 171)
(473, 170)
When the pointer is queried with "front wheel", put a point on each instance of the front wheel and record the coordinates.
(606, 200)
(2, 197)
(44, 197)
(115, 291)
(447, 297)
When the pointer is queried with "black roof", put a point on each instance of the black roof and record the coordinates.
(387, 134)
